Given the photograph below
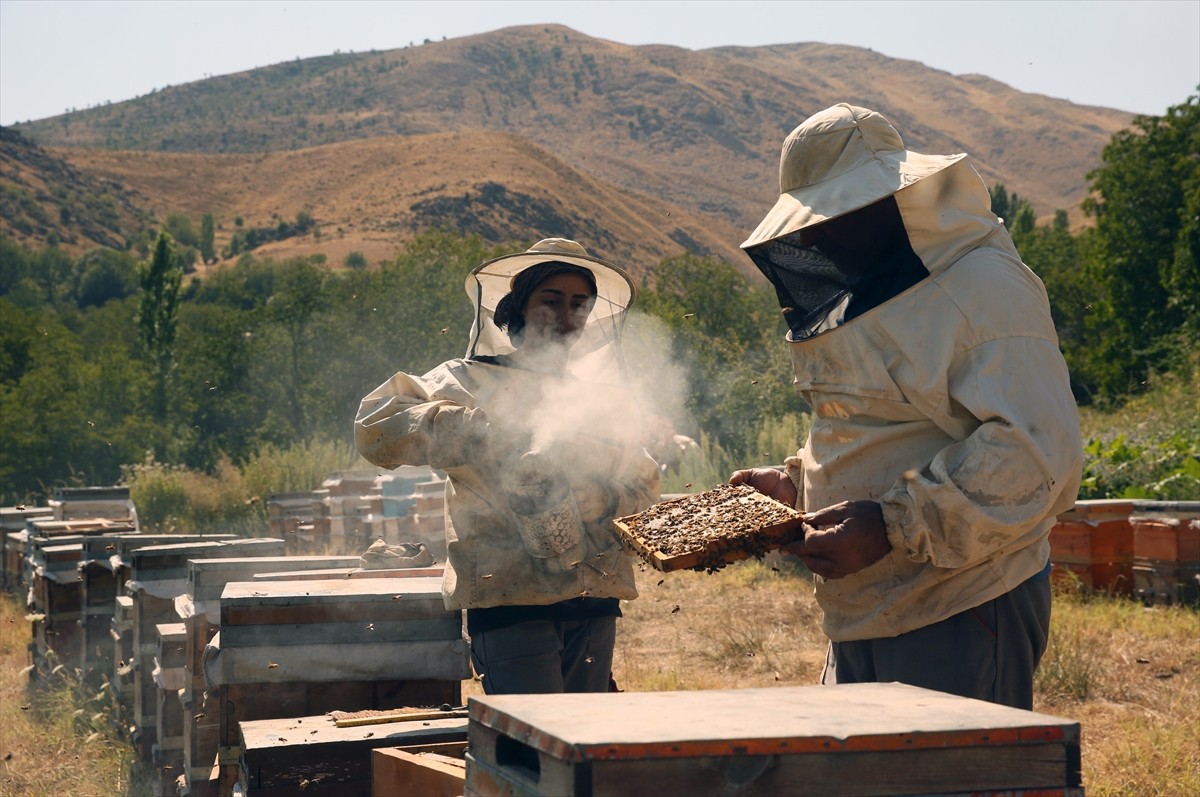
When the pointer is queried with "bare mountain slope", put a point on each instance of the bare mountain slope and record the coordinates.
(369, 195)
(699, 129)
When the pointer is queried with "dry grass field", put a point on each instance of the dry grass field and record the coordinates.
(1129, 674)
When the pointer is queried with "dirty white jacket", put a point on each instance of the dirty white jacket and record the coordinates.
(950, 405)
(471, 420)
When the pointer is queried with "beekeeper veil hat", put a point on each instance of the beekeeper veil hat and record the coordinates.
(596, 354)
(837, 161)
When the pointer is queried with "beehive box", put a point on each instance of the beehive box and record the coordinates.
(54, 599)
(430, 770)
(45, 532)
(329, 630)
(13, 524)
(310, 756)
(849, 740)
(103, 573)
(707, 530)
(1166, 547)
(113, 503)
(169, 677)
(299, 648)
(200, 609)
(1094, 541)
(158, 575)
(14, 561)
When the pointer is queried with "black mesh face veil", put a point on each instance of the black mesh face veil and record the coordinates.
(817, 294)
(810, 286)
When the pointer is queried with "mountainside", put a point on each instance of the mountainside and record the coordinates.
(695, 130)
(44, 198)
(369, 195)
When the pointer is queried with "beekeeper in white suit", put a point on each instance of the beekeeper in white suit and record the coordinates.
(944, 438)
(541, 447)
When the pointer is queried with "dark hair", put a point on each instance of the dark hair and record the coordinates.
(510, 311)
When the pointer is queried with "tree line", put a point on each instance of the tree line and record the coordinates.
(109, 360)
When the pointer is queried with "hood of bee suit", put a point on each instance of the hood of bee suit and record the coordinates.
(597, 351)
(842, 160)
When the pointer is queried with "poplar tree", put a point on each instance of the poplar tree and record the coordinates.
(157, 316)
(207, 253)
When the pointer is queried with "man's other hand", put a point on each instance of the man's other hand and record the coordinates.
(770, 482)
(843, 539)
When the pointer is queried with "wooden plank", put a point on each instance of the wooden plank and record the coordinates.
(351, 572)
(207, 577)
(435, 770)
(945, 773)
(399, 715)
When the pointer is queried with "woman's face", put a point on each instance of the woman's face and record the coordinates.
(558, 309)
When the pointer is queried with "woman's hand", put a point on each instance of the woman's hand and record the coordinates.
(597, 502)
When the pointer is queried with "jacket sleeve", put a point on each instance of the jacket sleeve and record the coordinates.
(639, 486)
(400, 423)
(1017, 469)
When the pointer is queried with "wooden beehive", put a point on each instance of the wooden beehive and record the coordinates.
(169, 679)
(54, 595)
(103, 572)
(157, 576)
(850, 740)
(310, 756)
(1166, 549)
(298, 648)
(707, 530)
(13, 524)
(1094, 541)
(200, 609)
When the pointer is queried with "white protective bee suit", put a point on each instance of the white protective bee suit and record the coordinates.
(473, 418)
(948, 402)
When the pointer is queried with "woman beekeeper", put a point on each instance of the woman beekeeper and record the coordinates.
(535, 434)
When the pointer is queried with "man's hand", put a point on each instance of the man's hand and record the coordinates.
(843, 539)
(768, 481)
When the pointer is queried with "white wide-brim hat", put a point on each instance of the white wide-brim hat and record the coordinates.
(837, 161)
(491, 281)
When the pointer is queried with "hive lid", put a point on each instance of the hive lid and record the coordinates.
(781, 720)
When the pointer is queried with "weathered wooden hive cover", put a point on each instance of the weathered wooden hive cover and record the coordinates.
(834, 741)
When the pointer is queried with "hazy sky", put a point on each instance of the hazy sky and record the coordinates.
(1135, 56)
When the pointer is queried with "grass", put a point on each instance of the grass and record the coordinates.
(56, 736)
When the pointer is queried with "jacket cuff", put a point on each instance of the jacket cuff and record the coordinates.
(897, 517)
(794, 469)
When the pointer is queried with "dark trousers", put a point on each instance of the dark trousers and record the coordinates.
(989, 652)
(545, 656)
